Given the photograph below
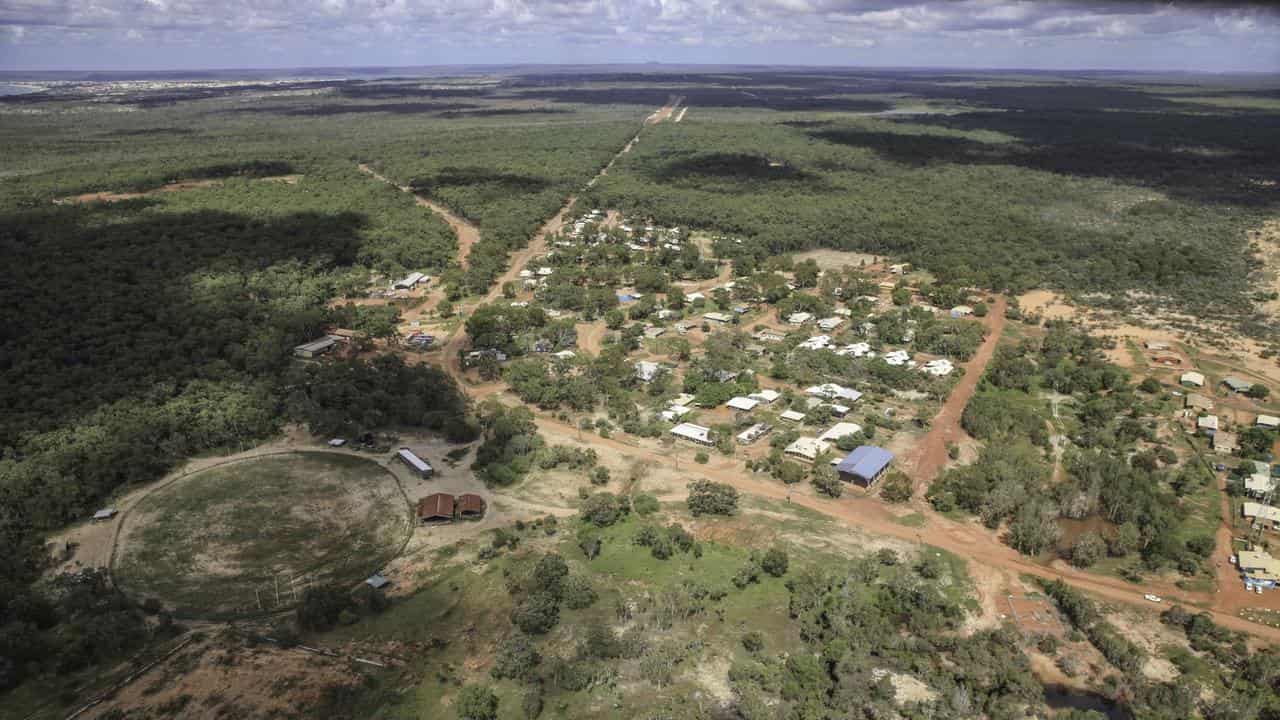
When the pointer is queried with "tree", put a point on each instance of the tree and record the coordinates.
(1034, 528)
(712, 498)
(614, 319)
(827, 481)
(517, 658)
(644, 504)
(980, 309)
(1258, 391)
(444, 308)
(897, 488)
(901, 296)
(775, 562)
(578, 593)
(790, 472)
(477, 702)
(603, 509)
(321, 606)
(1088, 549)
(537, 613)
(548, 575)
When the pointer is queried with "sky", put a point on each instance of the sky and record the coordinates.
(1049, 34)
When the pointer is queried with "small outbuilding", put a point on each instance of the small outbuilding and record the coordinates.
(1196, 401)
(1192, 378)
(1225, 442)
(470, 506)
(315, 348)
(377, 581)
(105, 514)
(437, 507)
(1235, 384)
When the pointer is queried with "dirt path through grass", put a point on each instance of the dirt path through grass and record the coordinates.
(468, 234)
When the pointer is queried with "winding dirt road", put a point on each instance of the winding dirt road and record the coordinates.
(468, 234)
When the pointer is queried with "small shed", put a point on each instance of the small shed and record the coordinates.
(1192, 378)
(315, 348)
(437, 507)
(376, 581)
(470, 506)
(1196, 401)
(105, 514)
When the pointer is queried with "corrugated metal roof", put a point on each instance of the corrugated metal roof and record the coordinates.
(470, 503)
(414, 461)
(436, 505)
(866, 461)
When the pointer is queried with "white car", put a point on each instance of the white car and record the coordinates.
(1153, 598)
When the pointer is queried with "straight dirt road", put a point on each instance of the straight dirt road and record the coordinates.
(468, 234)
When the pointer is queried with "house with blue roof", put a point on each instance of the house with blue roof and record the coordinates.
(865, 465)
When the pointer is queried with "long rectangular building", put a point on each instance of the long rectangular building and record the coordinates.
(415, 463)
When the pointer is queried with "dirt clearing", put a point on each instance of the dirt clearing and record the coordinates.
(179, 186)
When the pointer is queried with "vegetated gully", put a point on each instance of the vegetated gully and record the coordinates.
(964, 539)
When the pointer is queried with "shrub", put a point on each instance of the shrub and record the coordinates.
(775, 562)
(897, 488)
(711, 498)
(644, 504)
(887, 557)
(600, 475)
(531, 703)
(1088, 549)
(548, 575)
(753, 642)
(826, 481)
(603, 509)
(578, 593)
(477, 702)
(701, 458)
(321, 607)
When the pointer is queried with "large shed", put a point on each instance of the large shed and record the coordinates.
(865, 465)
(415, 463)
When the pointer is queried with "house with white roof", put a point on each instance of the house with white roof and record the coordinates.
(767, 335)
(743, 404)
(830, 323)
(1259, 484)
(682, 399)
(817, 342)
(791, 415)
(897, 357)
(857, 350)
(1259, 513)
(938, 368)
(1269, 422)
(753, 433)
(766, 396)
(693, 433)
(832, 391)
(564, 355)
(718, 317)
(1191, 378)
(807, 448)
(675, 412)
(646, 371)
(840, 430)
(1208, 424)
(694, 297)
(799, 318)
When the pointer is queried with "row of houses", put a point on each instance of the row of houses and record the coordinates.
(1191, 378)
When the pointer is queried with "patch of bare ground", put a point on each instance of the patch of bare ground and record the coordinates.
(837, 259)
(906, 688)
(1266, 238)
(178, 186)
(1147, 632)
(223, 676)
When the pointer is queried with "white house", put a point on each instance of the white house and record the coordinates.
(1261, 513)
(745, 404)
(646, 371)
(766, 396)
(857, 350)
(693, 433)
(682, 399)
(1270, 422)
(718, 317)
(961, 311)
(830, 323)
(791, 416)
(1192, 378)
(753, 433)
(897, 357)
(675, 412)
(411, 281)
(694, 297)
(832, 391)
(545, 271)
(1259, 484)
(564, 355)
(799, 318)
(807, 448)
(1208, 424)
(817, 342)
(840, 430)
(939, 368)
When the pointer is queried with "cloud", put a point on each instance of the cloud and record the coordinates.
(749, 28)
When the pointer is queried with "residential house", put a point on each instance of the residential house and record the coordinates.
(410, 282)
(1225, 442)
(104, 514)
(564, 355)
(857, 350)
(717, 317)
(767, 335)
(647, 371)
(1258, 568)
(1258, 485)
(693, 433)
(1156, 345)
(1198, 402)
(1237, 385)
(682, 399)
(791, 415)
(898, 358)
(753, 433)
(1265, 515)
(961, 311)
(832, 391)
(766, 396)
(840, 430)
(799, 318)
(470, 506)
(938, 368)
(817, 342)
(807, 448)
(865, 465)
(694, 297)
(899, 268)
(654, 332)
(675, 412)
(1191, 378)
(830, 323)
(743, 404)
(1207, 424)
(1268, 422)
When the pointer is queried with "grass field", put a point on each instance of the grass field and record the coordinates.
(216, 543)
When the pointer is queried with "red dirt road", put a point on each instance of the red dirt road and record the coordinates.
(930, 456)
(468, 234)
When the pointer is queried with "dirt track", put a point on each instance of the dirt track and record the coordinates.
(468, 234)
(930, 456)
